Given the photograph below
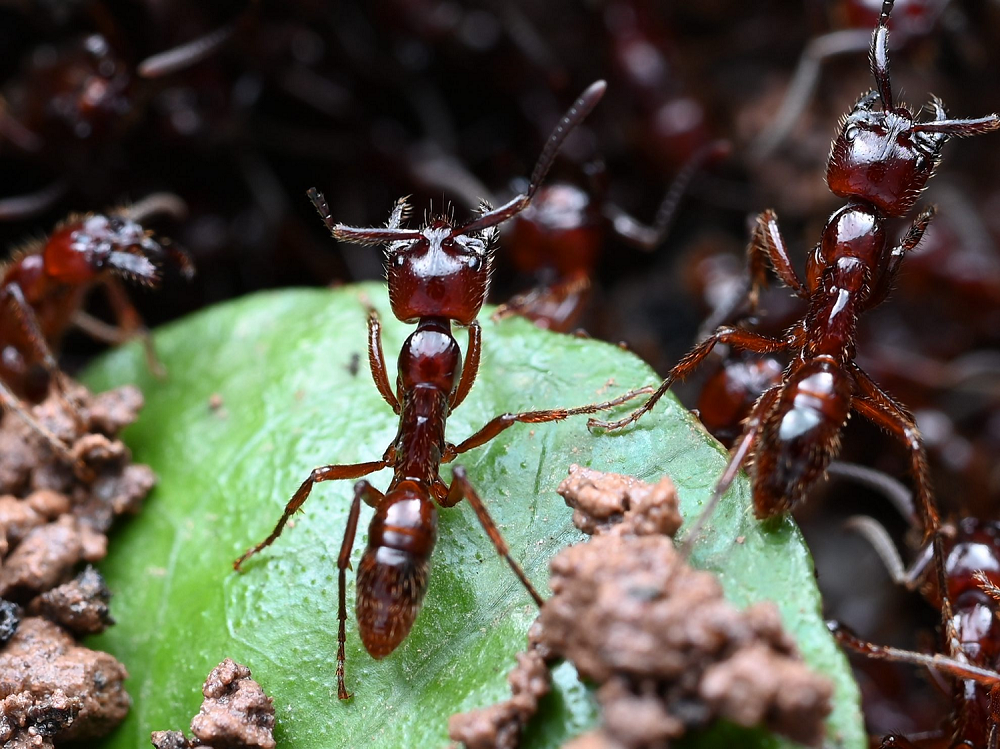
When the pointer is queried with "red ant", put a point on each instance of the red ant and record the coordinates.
(880, 162)
(43, 289)
(437, 275)
(967, 567)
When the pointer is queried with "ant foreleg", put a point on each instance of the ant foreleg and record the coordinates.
(736, 337)
(500, 423)
(371, 496)
(14, 295)
(376, 360)
(324, 473)
(942, 663)
(470, 367)
(460, 489)
(879, 408)
(738, 456)
(766, 241)
(909, 241)
(129, 325)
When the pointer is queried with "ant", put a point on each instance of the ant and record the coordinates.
(43, 288)
(966, 564)
(880, 162)
(437, 275)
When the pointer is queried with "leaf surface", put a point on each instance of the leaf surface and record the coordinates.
(291, 371)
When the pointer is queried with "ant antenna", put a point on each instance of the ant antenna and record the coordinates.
(880, 56)
(576, 114)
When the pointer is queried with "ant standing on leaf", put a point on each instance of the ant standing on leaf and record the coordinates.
(437, 275)
(880, 162)
(42, 291)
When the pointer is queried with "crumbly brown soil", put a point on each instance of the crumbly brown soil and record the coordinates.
(667, 652)
(236, 714)
(54, 516)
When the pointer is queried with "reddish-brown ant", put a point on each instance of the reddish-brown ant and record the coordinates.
(43, 289)
(964, 567)
(880, 162)
(437, 275)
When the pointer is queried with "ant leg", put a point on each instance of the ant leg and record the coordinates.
(736, 337)
(878, 407)
(649, 237)
(58, 446)
(324, 473)
(470, 367)
(130, 324)
(20, 207)
(372, 497)
(766, 238)
(461, 489)
(376, 360)
(738, 456)
(936, 662)
(500, 423)
(909, 241)
(187, 54)
(875, 534)
(803, 84)
(14, 295)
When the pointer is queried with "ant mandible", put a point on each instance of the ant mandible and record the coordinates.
(437, 275)
(880, 162)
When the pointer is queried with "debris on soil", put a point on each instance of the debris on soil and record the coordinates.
(236, 714)
(667, 651)
(42, 661)
(54, 515)
(81, 605)
(500, 725)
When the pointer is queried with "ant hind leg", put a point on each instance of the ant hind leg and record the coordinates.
(461, 489)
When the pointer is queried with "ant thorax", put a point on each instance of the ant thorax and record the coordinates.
(442, 274)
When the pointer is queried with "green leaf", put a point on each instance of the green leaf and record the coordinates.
(291, 369)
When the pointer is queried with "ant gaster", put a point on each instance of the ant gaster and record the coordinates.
(880, 162)
(437, 275)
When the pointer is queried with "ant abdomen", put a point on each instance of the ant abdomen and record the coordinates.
(392, 576)
(803, 428)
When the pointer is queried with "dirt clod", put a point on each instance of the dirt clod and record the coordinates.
(500, 725)
(42, 660)
(81, 606)
(55, 508)
(236, 714)
(668, 652)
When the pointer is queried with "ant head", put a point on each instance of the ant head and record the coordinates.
(84, 248)
(444, 272)
(885, 156)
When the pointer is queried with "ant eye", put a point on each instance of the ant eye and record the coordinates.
(475, 262)
(851, 133)
(399, 260)
(920, 163)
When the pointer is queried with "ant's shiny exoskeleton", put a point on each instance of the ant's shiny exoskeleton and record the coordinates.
(438, 275)
(960, 572)
(42, 291)
(880, 162)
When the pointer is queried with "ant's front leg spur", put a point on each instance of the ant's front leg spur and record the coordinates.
(324, 473)
(461, 489)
